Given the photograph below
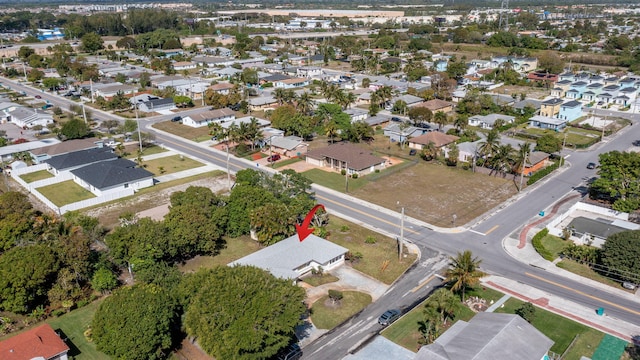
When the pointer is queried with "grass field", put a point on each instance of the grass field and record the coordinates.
(374, 256)
(66, 192)
(585, 271)
(315, 280)
(171, 164)
(554, 245)
(235, 249)
(334, 181)
(145, 151)
(183, 131)
(73, 325)
(36, 175)
(326, 316)
(286, 162)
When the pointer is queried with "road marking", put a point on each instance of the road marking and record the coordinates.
(584, 294)
(478, 232)
(367, 214)
(211, 154)
(490, 230)
(423, 283)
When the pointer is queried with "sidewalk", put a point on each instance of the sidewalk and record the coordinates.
(521, 249)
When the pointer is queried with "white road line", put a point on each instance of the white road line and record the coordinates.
(477, 232)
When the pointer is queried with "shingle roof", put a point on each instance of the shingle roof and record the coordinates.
(356, 157)
(212, 114)
(435, 104)
(282, 258)
(107, 174)
(286, 142)
(437, 138)
(572, 103)
(488, 336)
(552, 101)
(41, 341)
(81, 157)
(66, 147)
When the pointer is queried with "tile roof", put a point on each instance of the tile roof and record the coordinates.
(107, 174)
(81, 157)
(38, 342)
(284, 257)
(354, 156)
(437, 138)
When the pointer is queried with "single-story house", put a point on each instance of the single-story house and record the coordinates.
(346, 156)
(107, 176)
(397, 133)
(536, 160)
(438, 139)
(545, 122)
(287, 145)
(209, 116)
(408, 99)
(357, 114)
(436, 105)
(112, 90)
(377, 120)
(532, 103)
(488, 336)
(222, 88)
(156, 104)
(25, 117)
(41, 342)
(74, 160)
(262, 103)
(184, 65)
(542, 77)
(43, 153)
(309, 71)
(291, 83)
(292, 258)
(488, 121)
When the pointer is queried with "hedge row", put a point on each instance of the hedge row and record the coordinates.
(542, 173)
(537, 244)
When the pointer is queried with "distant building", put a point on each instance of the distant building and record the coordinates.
(49, 34)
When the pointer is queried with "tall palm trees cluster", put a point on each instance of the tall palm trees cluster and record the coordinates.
(333, 93)
(304, 102)
(244, 133)
(503, 158)
(463, 273)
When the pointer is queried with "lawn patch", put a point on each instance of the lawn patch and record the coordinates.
(184, 131)
(234, 249)
(286, 162)
(36, 175)
(170, 164)
(73, 325)
(317, 280)
(334, 180)
(554, 245)
(379, 260)
(324, 315)
(585, 271)
(66, 192)
(149, 150)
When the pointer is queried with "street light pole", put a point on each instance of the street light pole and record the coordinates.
(346, 178)
(401, 234)
(524, 164)
(564, 142)
(138, 125)
(228, 172)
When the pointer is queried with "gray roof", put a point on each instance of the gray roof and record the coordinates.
(262, 100)
(82, 157)
(276, 77)
(28, 146)
(107, 174)
(552, 101)
(408, 99)
(488, 336)
(355, 157)
(572, 103)
(528, 102)
(158, 102)
(491, 118)
(282, 258)
(377, 120)
(602, 228)
(355, 111)
(286, 142)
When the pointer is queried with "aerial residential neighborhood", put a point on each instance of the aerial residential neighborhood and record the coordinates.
(320, 180)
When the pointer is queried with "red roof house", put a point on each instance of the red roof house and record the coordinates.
(39, 342)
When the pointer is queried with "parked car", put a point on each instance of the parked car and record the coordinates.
(38, 97)
(176, 118)
(389, 317)
(395, 118)
(412, 152)
(636, 143)
(273, 158)
(591, 165)
(291, 352)
(629, 286)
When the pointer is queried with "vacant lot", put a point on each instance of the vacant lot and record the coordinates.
(184, 131)
(434, 193)
(66, 192)
(170, 164)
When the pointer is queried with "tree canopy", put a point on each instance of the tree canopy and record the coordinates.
(620, 254)
(135, 323)
(618, 179)
(252, 319)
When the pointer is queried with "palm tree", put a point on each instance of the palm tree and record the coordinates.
(350, 98)
(384, 94)
(280, 94)
(489, 146)
(429, 327)
(440, 118)
(305, 103)
(429, 151)
(331, 130)
(461, 123)
(444, 302)
(463, 272)
(502, 159)
(523, 152)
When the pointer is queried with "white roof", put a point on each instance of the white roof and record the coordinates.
(282, 258)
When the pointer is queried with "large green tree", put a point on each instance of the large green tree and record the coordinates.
(92, 42)
(74, 129)
(241, 312)
(618, 178)
(621, 255)
(135, 323)
(549, 143)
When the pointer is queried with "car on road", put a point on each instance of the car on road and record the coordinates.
(636, 143)
(176, 118)
(273, 158)
(389, 317)
(395, 118)
(38, 97)
(291, 352)
(591, 165)
(629, 285)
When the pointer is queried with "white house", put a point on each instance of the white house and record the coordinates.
(109, 176)
(292, 258)
(488, 121)
(204, 118)
(291, 83)
(184, 65)
(357, 114)
(26, 117)
(309, 72)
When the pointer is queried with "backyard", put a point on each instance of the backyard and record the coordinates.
(327, 314)
(36, 175)
(170, 164)
(66, 192)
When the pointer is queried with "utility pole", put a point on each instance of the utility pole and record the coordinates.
(401, 234)
(346, 178)
(564, 142)
(139, 130)
(524, 163)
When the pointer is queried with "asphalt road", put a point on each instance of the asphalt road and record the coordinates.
(485, 241)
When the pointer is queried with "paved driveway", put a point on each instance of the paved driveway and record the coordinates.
(350, 280)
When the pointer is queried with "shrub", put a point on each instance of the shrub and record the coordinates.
(335, 295)
(344, 228)
(353, 257)
(527, 311)
(354, 176)
(537, 244)
(542, 173)
(370, 240)
(343, 172)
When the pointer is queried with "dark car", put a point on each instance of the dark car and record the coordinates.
(273, 158)
(412, 152)
(235, 107)
(395, 118)
(291, 352)
(591, 165)
(177, 118)
(388, 317)
(636, 143)
(38, 97)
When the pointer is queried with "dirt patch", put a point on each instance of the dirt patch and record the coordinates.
(191, 351)
(108, 214)
(434, 193)
(531, 92)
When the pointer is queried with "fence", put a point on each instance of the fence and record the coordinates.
(553, 224)
(96, 200)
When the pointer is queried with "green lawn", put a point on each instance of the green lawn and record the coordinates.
(379, 260)
(554, 245)
(334, 180)
(73, 325)
(235, 249)
(559, 329)
(66, 192)
(315, 280)
(36, 175)
(586, 271)
(171, 164)
(184, 131)
(328, 317)
(286, 162)
(147, 151)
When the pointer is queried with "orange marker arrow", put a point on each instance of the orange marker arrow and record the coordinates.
(304, 230)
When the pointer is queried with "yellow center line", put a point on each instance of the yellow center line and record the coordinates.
(366, 214)
(490, 230)
(584, 294)
(423, 283)
(211, 154)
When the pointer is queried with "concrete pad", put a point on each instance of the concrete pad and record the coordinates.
(382, 349)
